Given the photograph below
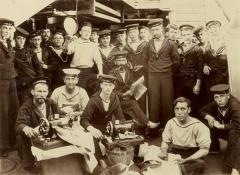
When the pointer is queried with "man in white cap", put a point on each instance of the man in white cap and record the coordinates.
(70, 98)
(85, 57)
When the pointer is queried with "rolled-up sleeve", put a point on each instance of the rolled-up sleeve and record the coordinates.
(167, 134)
(97, 56)
(202, 135)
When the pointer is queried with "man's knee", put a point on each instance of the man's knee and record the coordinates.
(200, 165)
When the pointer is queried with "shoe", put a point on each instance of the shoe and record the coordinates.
(214, 152)
(154, 132)
(33, 169)
(4, 152)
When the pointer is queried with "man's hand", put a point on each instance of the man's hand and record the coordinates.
(95, 132)
(127, 93)
(181, 161)
(98, 75)
(44, 66)
(206, 70)
(67, 110)
(218, 125)
(137, 68)
(163, 154)
(29, 132)
(210, 120)
(196, 89)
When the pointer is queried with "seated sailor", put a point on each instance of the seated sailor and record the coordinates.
(125, 79)
(188, 137)
(103, 106)
(223, 118)
(70, 98)
(29, 115)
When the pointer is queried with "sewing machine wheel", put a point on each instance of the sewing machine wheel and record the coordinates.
(44, 126)
(109, 129)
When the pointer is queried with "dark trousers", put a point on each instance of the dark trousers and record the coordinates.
(160, 95)
(88, 80)
(98, 152)
(8, 112)
(24, 150)
(184, 88)
(194, 167)
(132, 110)
(215, 135)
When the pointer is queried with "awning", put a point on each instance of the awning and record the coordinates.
(165, 5)
(21, 10)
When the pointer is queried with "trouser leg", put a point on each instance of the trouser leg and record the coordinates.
(24, 150)
(167, 95)
(154, 93)
(12, 111)
(194, 167)
(4, 113)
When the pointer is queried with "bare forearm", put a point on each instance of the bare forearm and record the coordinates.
(164, 146)
(100, 68)
(199, 154)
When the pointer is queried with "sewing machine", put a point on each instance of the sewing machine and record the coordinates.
(47, 138)
(121, 133)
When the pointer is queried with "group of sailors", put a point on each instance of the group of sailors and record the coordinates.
(91, 76)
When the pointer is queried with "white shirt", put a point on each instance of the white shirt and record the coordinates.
(158, 44)
(63, 98)
(123, 75)
(85, 52)
(192, 134)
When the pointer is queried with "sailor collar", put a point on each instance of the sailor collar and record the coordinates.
(69, 96)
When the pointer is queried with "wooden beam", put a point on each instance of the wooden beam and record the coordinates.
(106, 17)
(107, 9)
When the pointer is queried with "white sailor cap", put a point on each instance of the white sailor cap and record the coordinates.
(71, 72)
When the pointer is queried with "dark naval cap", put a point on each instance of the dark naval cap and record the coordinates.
(213, 22)
(40, 80)
(220, 89)
(59, 32)
(132, 27)
(104, 33)
(4, 21)
(107, 78)
(34, 34)
(120, 54)
(95, 30)
(119, 31)
(186, 27)
(197, 30)
(155, 22)
(21, 32)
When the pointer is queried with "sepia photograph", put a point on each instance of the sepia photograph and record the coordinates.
(119, 87)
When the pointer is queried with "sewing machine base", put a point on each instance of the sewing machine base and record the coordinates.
(47, 145)
(131, 142)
